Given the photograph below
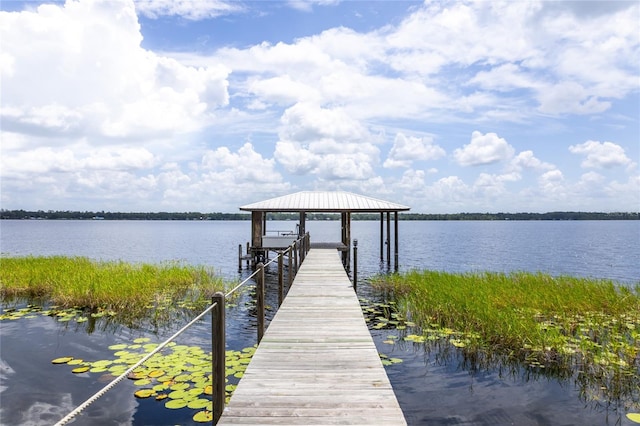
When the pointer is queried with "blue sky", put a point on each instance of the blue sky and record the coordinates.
(168, 105)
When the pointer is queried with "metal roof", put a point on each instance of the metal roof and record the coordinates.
(324, 201)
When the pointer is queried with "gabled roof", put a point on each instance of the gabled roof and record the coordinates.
(324, 201)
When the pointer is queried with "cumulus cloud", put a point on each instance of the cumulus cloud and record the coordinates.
(483, 149)
(407, 149)
(99, 80)
(325, 142)
(245, 165)
(601, 154)
(526, 160)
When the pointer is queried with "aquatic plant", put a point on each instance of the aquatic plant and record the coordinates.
(179, 378)
(130, 291)
(561, 326)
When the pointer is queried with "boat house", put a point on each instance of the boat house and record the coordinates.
(305, 202)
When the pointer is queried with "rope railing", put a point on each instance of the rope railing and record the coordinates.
(217, 334)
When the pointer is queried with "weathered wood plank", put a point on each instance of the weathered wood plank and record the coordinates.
(317, 363)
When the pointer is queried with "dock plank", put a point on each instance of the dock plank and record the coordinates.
(317, 363)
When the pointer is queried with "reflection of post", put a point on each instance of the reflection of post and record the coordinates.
(218, 354)
(260, 301)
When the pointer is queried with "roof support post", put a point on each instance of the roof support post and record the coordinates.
(302, 227)
(256, 228)
(381, 236)
(346, 238)
(395, 237)
(388, 240)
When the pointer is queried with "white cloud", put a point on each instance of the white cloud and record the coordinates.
(483, 149)
(99, 80)
(601, 154)
(570, 97)
(412, 181)
(526, 160)
(325, 142)
(188, 9)
(244, 166)
(307, 5)
(407, 149)
(283, 90)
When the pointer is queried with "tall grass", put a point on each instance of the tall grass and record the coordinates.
(118, 286)
(544, 321)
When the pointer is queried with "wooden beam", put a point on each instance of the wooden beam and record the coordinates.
(256, 228)
(395, 237)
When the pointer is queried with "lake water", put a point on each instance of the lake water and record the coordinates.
(431, 391)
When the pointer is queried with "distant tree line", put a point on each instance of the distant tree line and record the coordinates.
(102, 215)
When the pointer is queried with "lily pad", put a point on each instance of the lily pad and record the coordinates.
(144, 393)
(62, 360)
(203, 417)
(79, 370)
(174, 404)
(118, 347)
(198, 404)
(634, 417)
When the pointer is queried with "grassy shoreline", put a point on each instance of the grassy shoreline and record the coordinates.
(125, 288)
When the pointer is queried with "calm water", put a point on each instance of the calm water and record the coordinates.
(431, 391)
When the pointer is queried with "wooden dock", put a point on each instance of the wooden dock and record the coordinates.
(317, 363)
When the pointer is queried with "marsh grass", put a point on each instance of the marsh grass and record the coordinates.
(123, 289)
(570, 327)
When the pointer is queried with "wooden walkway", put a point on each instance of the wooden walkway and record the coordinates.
(317, 363)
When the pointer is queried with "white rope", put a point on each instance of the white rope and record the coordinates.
(121, 377)
(118, 379)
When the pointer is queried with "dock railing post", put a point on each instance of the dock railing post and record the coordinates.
(290, 274)
(260, 300)
(355, 265)
(280, 279)
(248, 253)
(239, 257)
(218, 346)
(295, 256)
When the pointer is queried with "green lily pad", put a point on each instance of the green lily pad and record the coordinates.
(198, 404)
(178, 394)
(174, 404)
(62, 360)
(118, 347)
(203, 417)
(79, 370)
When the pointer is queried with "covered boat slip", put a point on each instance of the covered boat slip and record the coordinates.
(304, 202)
(317, 362)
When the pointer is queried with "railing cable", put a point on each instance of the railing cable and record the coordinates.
(161, 346)
(121, 377)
